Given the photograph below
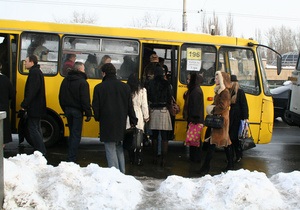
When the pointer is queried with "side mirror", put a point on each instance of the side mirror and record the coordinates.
(279, 65)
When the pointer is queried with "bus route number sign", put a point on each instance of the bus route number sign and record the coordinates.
(193, 59)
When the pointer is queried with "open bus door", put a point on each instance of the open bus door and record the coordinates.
(8, 58)
(169, 53)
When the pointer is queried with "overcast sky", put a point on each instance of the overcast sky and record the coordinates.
(247, 15)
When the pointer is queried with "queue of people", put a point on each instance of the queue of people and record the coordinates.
(118, 106)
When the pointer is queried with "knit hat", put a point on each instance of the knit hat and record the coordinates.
(233, 78)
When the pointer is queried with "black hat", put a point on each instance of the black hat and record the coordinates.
(233, 78)
(109, 68)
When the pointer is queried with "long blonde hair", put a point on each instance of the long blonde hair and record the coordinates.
(234, 90)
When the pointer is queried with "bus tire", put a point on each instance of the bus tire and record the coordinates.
(286, 119)
(51, 131)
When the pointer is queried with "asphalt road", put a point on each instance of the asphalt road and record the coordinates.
(281, 155)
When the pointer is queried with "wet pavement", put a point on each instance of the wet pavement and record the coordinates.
(281, 155)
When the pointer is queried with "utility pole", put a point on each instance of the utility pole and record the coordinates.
(184, 22)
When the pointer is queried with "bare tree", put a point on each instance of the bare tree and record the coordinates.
(78, 17)
(229, 25)
(296, 39)
(281, 39)
(203, 23)
(83, 18)
(149, 21)
(258, 36)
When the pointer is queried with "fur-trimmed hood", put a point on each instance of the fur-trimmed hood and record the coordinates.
(224, 80)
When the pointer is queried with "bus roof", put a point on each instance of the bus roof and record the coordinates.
(132, 33)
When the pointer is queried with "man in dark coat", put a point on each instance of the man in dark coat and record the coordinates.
(7, 93)
(112, 103)
(74, 99)
(35, 102)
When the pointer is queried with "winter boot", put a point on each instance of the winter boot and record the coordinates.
(195, 154)
(229, 156)
(239, 152)
(209, 155)
(154, 147)
(164, 152)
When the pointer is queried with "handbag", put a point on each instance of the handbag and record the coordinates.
(214, 121)
(193, 134)
(245, 136)
(173, 108)
(133, 139)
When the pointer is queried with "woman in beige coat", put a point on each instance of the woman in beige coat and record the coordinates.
(220, 106)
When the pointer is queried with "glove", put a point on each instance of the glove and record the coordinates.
(22, 113)
(87, 119)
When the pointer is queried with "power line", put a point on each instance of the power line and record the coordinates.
(126, 7)
(248, 15)
(80, 4)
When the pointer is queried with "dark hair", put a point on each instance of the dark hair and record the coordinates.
(92, 58)
(161, 59)
(133, 82)
(159, 71)
(109, 68)
(33, 58)
(195, 80)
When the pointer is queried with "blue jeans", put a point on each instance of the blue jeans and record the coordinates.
(115, 155)
(74, 118)
(36, 134)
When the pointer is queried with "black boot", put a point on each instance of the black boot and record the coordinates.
(164, 152)
(195, 154)
(209, 155)
(239, 152)
(154, 148)
(229, 156)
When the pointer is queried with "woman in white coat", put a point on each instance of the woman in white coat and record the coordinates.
(140, 102)
(140, 105)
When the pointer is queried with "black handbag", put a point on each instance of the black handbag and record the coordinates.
(214, 121)
(246, 139)
(133, 139)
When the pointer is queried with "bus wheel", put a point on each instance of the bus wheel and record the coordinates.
(287, 120)
(50, 129)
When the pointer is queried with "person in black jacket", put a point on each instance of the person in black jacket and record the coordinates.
(74, 99)
(112, 102)
(195, 110)
(7, 93)
(238, 111)
(35, 102)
